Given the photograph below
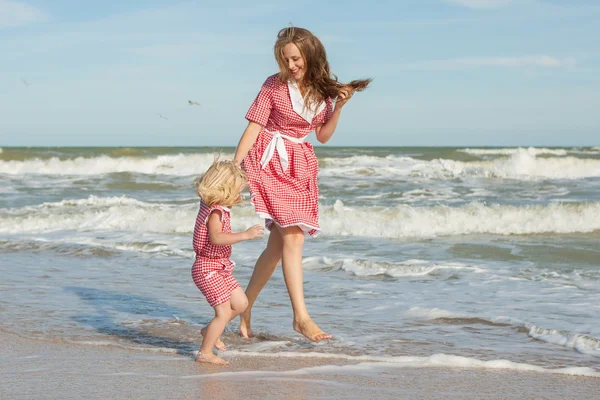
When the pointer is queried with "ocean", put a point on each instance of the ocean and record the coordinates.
(456, 256)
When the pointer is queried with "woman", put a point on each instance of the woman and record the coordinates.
(282, 168)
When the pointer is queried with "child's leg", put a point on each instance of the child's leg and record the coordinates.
(214, 329)
(239, 302)
(219, 345)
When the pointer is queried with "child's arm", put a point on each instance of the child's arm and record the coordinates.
(220, 238)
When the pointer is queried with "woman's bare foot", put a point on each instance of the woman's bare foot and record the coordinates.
(210, 358)
(219, 345)
(309, 329)
(245, 330)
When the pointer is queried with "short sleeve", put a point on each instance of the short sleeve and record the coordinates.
(220, 212)
(260, 110)
(325, 114)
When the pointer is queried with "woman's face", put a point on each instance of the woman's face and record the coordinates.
(294, 61)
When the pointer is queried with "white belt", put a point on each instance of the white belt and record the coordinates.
(277, 143)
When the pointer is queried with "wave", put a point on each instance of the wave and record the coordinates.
(359, 363)
(85, 247)
(582, 343)
(525, 166)
(521, 164)
(180, 165)
(404, 221)
(534, 151)
(377, 268)
(436, 360)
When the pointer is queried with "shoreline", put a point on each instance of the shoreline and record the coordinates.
(32, 369)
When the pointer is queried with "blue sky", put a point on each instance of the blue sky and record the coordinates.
(446, 72)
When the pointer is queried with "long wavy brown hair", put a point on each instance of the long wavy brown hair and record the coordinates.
(318, 81)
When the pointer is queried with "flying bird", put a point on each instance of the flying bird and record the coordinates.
(25, 82)
(193, 103)
(162, 116)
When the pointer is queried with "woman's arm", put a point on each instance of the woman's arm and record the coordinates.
(247, 140)
(325, 131)
(220, 238)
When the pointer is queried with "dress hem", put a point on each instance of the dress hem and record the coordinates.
(305, 227)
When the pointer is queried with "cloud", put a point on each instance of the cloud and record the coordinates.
(479, 4)
(15, 13)
(501, 62)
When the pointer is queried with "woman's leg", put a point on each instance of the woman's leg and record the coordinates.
(263, 270)
(293, 243)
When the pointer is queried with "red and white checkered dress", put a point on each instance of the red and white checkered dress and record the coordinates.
(286, 196)
(212, 270)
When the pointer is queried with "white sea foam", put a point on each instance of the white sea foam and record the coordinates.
(374, 268)
(431, 313)
(181, 165)
(404, 221)
(525, 166)
(582, 343)
(534, 151)
(367, 362)
(436, 360)
(521, 164)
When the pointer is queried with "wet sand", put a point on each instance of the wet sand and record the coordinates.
(34, 369)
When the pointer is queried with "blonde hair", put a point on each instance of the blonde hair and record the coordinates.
(221, 183)
(318, 81)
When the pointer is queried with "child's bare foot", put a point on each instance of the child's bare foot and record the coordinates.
(219, 345)
(245, 330)
(309, 329)
(210, 358)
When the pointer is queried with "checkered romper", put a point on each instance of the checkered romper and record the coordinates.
(287, 196)
(212, 270)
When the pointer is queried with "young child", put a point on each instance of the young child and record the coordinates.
(219, 188)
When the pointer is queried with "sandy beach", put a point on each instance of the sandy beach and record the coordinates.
(477, 277)
(36, 369)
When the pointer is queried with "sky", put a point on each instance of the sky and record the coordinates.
(445, 72)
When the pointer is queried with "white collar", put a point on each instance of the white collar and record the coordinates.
(298, 103)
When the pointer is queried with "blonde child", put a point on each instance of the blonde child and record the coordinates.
(219, 189)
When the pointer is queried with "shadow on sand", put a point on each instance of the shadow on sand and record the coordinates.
(156, 325)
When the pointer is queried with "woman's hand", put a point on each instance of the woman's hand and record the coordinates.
(346, 94)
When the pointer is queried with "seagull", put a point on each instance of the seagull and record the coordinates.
(193, 103)
(25, 82)
(162, 116)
